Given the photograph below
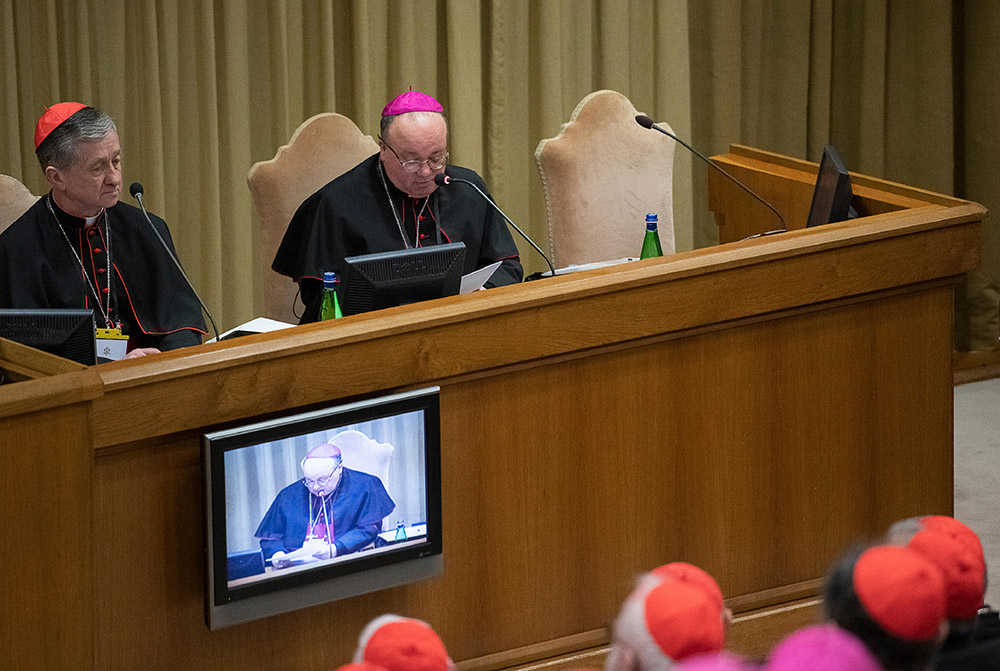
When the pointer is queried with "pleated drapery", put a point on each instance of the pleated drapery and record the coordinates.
(202, 90)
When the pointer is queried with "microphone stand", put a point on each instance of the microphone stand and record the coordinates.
(442, 180)
(137, 194)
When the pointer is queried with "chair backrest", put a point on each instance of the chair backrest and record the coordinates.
(15, 199)
(361, 453)
(322, 148)
(602, 173)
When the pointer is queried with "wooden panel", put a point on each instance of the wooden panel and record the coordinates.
(788, 185)
(47, 577)
(367, 353)
(563, 481)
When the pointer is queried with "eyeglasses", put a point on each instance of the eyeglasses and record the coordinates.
(434, 163)
(319, 483)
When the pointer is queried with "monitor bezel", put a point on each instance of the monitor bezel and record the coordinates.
(227, 605)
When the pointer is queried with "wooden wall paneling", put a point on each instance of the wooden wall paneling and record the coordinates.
(563, 481)
(45, 495)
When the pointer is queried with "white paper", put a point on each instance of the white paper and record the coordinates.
(477, 278)
(258, 325)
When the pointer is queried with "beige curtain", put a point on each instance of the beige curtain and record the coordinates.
(200, 91)
(905, 90)
(203, 90)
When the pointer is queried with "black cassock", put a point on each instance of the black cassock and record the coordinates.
(351, 216)
(352, 514)
(148, 294)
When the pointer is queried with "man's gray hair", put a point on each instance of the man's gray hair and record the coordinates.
(59, 148)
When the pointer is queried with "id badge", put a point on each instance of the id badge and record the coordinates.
(112, 344)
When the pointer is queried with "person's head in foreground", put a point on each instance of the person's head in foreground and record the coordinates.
(822, 647)
(667, 619)
(957, 552)
(398, 643)
(78, 150)
(892, 599)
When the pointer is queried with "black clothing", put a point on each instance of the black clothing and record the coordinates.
(148, 295)
(350, 516)
(979, 651)
(351, 216)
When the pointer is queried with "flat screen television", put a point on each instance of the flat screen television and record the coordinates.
(273, 521)
(832, 195)
(69, 333)
(388, 279)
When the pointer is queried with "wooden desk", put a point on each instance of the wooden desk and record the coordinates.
(752, 408)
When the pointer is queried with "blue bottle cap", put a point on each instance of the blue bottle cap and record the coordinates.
(329, 278)
(651, 221)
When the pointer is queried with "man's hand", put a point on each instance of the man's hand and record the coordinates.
(141, 351)
(278, 560)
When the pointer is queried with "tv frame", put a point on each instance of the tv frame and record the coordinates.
(330, 580)
(832, 195)
(74, 329)
(400, 277)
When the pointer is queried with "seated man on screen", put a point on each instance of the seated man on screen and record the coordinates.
(390, 202)
(330, 512)
(78, 247)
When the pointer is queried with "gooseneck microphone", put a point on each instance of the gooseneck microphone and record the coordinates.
(646, 122)
(442, 179)
(136, 190)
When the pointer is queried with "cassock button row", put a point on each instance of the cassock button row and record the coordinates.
(91, 232)
(97, 250)
(100, 270)
(104, 290)
(423, 235)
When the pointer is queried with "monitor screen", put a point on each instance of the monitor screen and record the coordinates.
(321, 506)
(69, 333)
(388, 279)
(832, 194)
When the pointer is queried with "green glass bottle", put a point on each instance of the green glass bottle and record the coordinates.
(329, 308)
(651, 243)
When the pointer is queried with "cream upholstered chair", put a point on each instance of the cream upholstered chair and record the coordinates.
(602, 173)
(15, 199)
(323, 147)
(361, 453)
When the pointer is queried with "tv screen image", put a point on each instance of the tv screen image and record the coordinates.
(323, 505)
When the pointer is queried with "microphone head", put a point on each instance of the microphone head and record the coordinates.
(644, 121)
(135, 189)
(441, 179)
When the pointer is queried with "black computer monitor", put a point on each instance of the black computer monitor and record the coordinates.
(66, 333)
(832, 195)
(388, 279)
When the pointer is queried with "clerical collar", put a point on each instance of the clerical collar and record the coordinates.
(68, 219)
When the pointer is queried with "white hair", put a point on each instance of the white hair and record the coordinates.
(632, 646)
